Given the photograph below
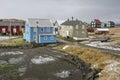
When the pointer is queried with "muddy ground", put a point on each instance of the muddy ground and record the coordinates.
(36, 64)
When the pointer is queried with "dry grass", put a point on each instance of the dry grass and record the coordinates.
(90, 56)
(13, 42)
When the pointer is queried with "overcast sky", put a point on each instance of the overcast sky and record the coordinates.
(85, 10)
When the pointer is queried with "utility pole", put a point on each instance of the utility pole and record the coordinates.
(37, 35)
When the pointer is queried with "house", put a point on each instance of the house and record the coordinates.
(110, 24)
(75, 29)
(96, 23)
(39, 31)
(12, 26)
(57, 25)
(101, 31)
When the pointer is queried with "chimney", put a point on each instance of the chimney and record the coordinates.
(72, 18)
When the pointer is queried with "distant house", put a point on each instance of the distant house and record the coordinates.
(39, 31)
(110, 24)
(57, 26)
(75, 29)
(13, 26)
(96, 23)
(101, 30)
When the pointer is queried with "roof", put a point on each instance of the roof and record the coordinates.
(97, 20)
(71, 22)
(40, 22)
(13, 23)
(102, 29)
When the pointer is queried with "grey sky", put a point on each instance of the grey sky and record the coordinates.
(85, 10)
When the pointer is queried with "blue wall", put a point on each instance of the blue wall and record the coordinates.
(30, 34)
(48, 39)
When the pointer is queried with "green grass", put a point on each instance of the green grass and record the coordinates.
(5, 68)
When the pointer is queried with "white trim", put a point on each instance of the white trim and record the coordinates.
(47, 34)
(80, 38)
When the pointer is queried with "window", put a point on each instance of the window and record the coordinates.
(42, 29)
(51, 37)
(45, 37)
(83, 32)
(3, 30)
(34, 29)
(83, 26)
(76, 26)
(48, 29)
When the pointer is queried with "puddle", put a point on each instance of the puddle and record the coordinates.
(21, 70)
(41, 59)
(15, 60)
(11, 53)
(63, 74)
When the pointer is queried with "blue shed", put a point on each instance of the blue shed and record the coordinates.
(39, 31)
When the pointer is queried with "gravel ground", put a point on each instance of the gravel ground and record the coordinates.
(36, 64)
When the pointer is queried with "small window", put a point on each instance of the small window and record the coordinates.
(76, 26)
(51, 37)
(34, 29)
(45, 37)
(48, 29)
(3, 30)
(42, 29)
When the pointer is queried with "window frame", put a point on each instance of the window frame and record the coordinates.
(42, 29)
(45, 37)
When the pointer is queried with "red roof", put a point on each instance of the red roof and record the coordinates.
(97, 20)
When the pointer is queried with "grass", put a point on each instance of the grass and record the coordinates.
(5, 68)
(13, 42)
(90, 56)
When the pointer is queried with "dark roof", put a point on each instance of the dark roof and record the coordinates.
(71, 22)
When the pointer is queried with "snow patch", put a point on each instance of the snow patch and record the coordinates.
(65, 47)
(41, 60)
(63, 74)
(7, 37)
(11, 53)
(15, 60)
(105, 45)
(113, 69)
(22, 70)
